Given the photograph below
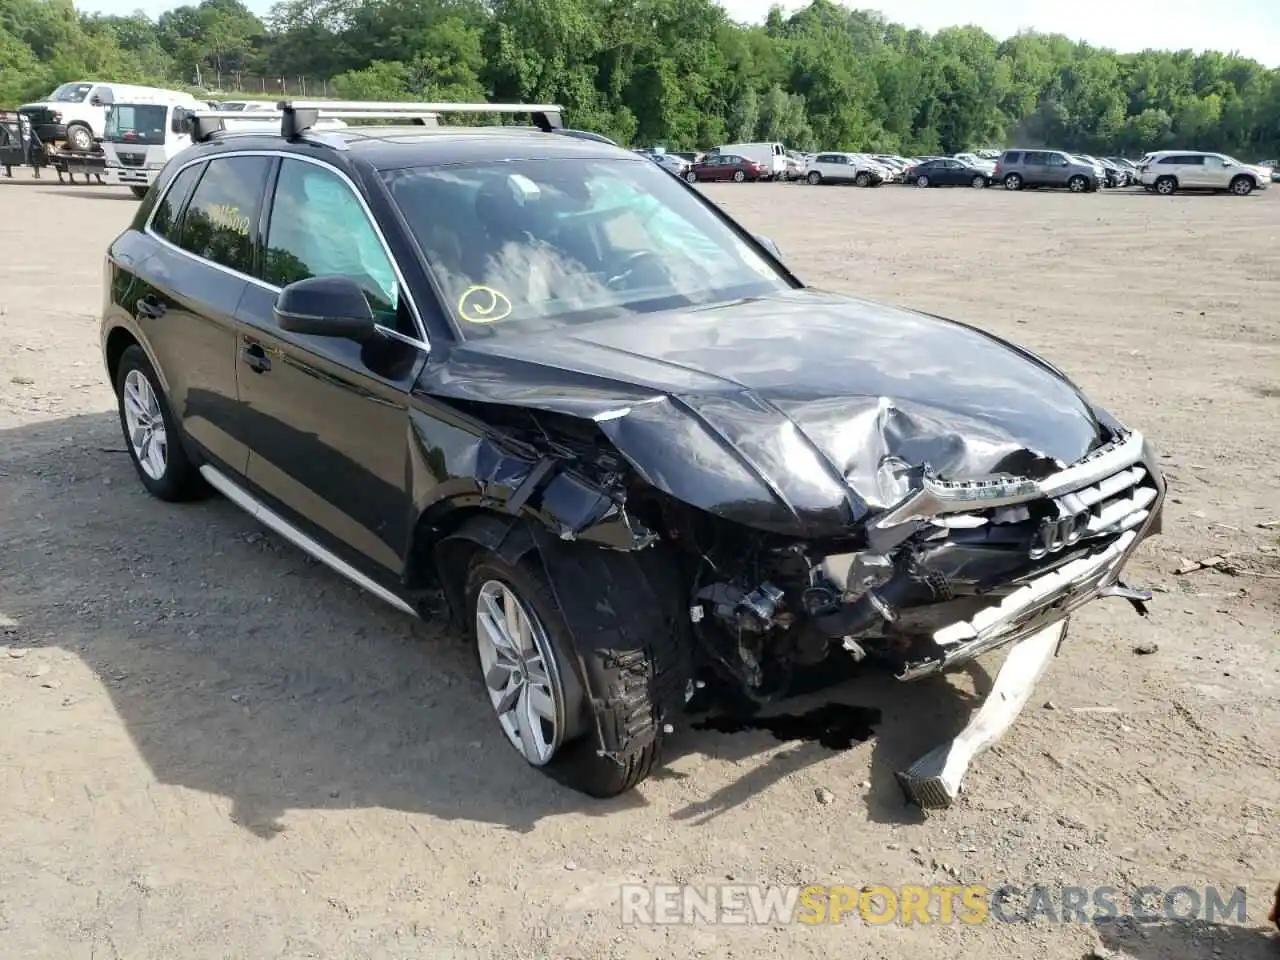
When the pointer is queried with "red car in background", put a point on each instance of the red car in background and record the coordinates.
(726, 167)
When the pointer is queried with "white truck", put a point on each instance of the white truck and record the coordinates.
(143, 135)
(140, 138)
(76, 112)
(771, 156)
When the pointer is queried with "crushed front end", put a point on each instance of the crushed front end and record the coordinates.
(950, 571)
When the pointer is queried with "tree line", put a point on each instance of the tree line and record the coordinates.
(680, 73)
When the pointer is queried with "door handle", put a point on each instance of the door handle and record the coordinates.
(255, 358)
(150, 307)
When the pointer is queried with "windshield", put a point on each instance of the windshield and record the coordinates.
(71, 93)
(531, 245)
(136, 123)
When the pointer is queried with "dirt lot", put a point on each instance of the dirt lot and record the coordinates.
(212, 747)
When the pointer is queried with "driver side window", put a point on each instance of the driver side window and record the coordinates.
(319, 228)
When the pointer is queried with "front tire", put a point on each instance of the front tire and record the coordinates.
(80, 138)
(1077, 184)
(152, 436)
(739, 176)
(978, 183)
(691, 177)
(863, 179)
(1242, 186)
(535, 686)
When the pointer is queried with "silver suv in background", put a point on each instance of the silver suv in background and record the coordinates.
(1169, 171)
(1045, 168)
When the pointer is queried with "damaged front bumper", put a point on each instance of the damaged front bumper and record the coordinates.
(1041, 603)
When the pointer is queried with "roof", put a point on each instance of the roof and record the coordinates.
(396, 147)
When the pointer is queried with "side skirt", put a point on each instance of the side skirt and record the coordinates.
(269, 518)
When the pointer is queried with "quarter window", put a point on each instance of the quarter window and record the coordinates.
(165, 220)
(320, 229)
(222, 217)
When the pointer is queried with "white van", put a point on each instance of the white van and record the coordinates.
(76, 112)
(771, 156)
(140, 138)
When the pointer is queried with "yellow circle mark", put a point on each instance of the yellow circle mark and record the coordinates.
(480, 304)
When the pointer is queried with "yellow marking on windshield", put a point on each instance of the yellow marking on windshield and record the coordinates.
(481, 304)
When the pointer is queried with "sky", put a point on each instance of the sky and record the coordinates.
(1251, 27)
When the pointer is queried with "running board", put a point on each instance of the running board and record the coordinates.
(269, 518)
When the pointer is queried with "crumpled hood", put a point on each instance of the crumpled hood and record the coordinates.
(778, 412)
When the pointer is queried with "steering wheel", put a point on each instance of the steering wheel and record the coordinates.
(635, 261)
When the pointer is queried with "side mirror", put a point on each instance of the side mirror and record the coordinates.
(325, 307)
(768, 244)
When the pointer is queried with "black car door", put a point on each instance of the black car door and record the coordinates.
(189, 289)
(328, 416)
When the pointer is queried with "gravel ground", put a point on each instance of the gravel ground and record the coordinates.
(212, 747)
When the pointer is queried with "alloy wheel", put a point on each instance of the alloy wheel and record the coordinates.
(520, 673)
(145, 422)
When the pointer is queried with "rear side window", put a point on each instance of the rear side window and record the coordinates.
(164, 222)
(1013, 156)
(222, 217)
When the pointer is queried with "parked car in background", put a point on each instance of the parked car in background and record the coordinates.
(973, 160)
(772, 156)
(1108, 175)
(726, 166)
(797, 165)
(844, 168)
(948, 172)
(1045, 168)
(1128, 166)
(1168, 171)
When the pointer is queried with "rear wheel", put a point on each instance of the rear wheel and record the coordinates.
(814, 178)
(152, 436)
(531, 676)
(922, 181)
(1013, 182)
(1242, 186)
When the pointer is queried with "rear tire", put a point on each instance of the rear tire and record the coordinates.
(152, 436)
(922, 181)
(814, 178)
(1013, 182)
(1166, 186)
(575, 762)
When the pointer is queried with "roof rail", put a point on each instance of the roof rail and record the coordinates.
(297, 117)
